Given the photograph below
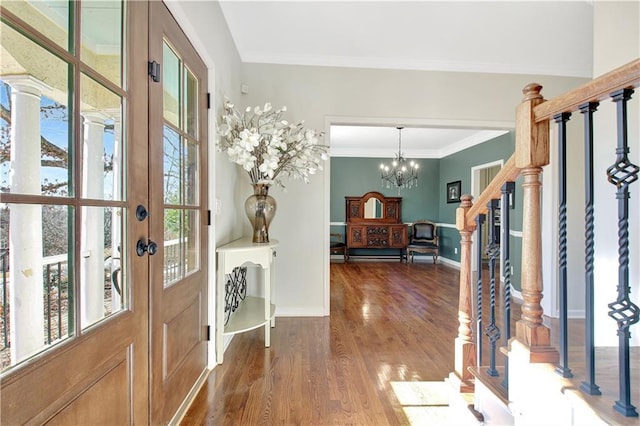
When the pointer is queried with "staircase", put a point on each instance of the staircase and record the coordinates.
(535, 376)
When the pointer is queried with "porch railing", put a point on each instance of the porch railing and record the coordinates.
(57, 315)
(533, 117)
(56, 295)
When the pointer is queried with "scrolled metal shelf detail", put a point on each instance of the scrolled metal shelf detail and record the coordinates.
(235, 291)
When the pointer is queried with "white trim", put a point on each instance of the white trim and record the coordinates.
(475, 175)
(199, 45)
(517, 295)
(192, 34)
(516, 234)
(449, 262)
(549, 227)
(410, 64)
(439, 224)
(447, 225)
(473, 140)
(487, 130)
(300, 312)
(326, 226)
(417, 122)
(475, 192)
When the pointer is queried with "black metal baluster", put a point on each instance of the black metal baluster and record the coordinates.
(589, 386)
(71, 295)
(623, 310)
(479, 221)
(562, 368)
(507, 189)
(5, 339)
(48, 286)
(493, 251)
(59, 274)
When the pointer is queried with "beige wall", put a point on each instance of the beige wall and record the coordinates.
(204, 24)
(616, 42)
(315, 93)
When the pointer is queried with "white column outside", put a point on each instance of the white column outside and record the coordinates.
(25, 237)
(116, 215)
(92, 234)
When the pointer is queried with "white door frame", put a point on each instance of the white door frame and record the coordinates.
(475, 191)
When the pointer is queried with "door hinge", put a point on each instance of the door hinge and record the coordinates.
(209, 217)
(208, 333)
(154, 71)
(208, 100)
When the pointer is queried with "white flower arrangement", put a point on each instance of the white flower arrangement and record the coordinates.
(268, 147)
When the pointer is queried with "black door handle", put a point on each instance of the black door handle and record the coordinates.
(143, 247)
(141, 213)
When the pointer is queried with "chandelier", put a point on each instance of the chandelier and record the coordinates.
(400, 174)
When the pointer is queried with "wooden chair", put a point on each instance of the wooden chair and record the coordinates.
(424, 239)
(338, 246)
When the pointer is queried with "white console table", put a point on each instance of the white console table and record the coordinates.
(252, 312)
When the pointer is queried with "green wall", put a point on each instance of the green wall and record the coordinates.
(458, 167)
(356, 176)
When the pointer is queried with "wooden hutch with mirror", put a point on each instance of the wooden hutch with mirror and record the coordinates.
(375, 222)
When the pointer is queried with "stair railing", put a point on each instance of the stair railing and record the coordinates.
(532, 148)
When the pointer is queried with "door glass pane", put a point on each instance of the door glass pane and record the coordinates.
(102, 145)
(116, 285)
(36, 279)
(181, 244)
(47, 251)
(101, 291)
(102, 37)
(172, 164)
(34, 92)
(173, 269)
(192, 240)
(191, 103)
(171, 85)
(191, 173)
(51, 18)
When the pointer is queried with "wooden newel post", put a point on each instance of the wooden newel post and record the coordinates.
(532, 153)
(465, 348)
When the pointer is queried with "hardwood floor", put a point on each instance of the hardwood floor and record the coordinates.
(389, 322)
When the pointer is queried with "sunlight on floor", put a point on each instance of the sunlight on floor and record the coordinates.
(424, 403)
(422, 393)
(438, 415)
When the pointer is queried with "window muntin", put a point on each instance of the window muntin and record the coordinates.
(181, 159)
(53, 227)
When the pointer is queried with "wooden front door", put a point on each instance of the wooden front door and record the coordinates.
(102, 213)
(178, 215)
(74, 93)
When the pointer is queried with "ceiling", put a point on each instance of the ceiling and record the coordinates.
(470, 36)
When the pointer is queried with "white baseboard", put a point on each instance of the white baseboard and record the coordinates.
(515, 294)
(298, 312)
(449, 262)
